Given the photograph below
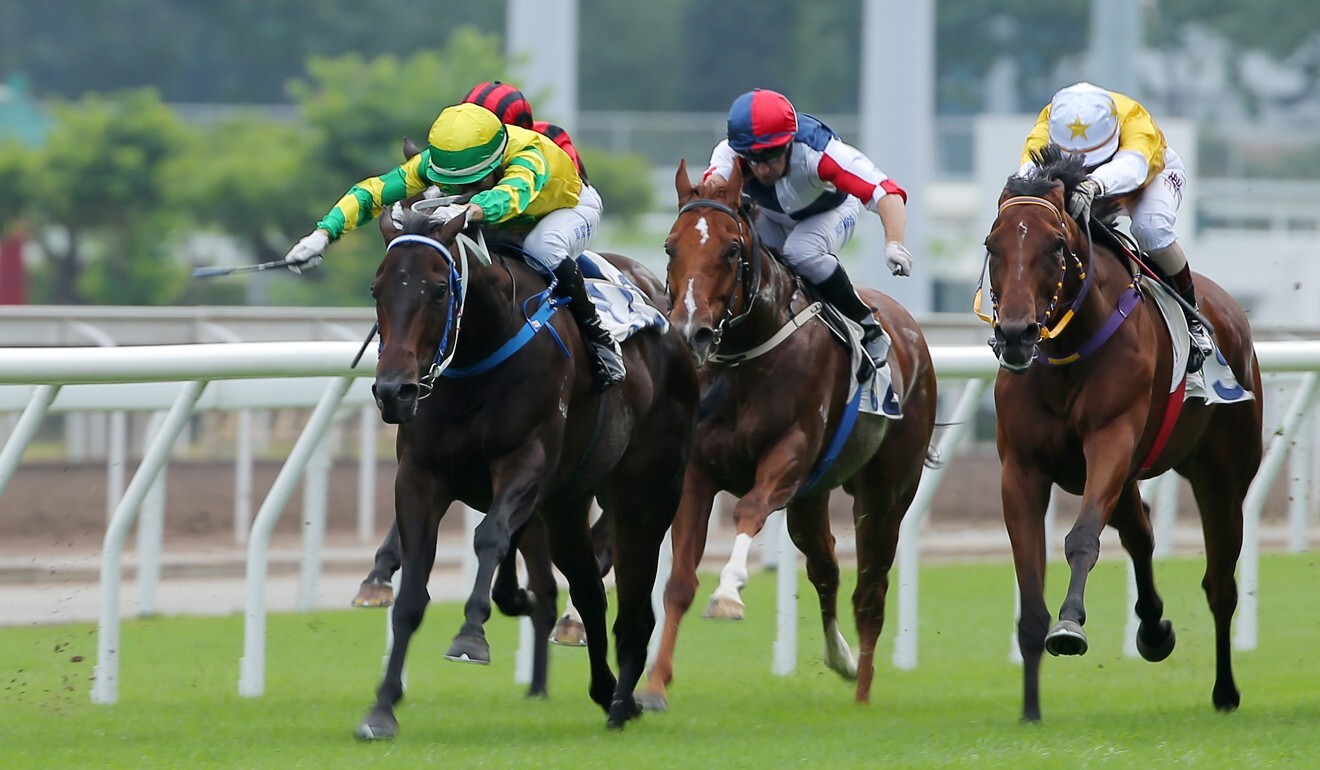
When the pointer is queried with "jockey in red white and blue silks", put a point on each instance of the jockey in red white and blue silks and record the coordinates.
(811, 186)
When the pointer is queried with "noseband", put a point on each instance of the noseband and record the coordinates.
(748, 279)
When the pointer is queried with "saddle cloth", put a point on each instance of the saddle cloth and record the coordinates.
(878, 395)
(1215, 382)
(624, 309)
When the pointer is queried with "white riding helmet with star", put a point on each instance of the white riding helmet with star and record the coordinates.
(1083, 119)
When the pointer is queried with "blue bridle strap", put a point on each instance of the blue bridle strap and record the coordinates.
(535, 323)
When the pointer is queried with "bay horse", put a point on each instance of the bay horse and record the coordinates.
(769, 414)
(1088, 413)
(504, 419)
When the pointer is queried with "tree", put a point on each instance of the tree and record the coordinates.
(99, 201)
(357, 111)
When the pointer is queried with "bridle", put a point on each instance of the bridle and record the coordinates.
(748, 278)
(1046, 331)
(456, 299)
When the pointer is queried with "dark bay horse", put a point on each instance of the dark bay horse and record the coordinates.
(1084, 411)
(767, 419)
(538, 600)
(513, 427)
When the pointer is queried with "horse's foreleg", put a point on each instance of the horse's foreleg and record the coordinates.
(1108, 457)
(1155, 637)
(777, 477)
(809, 526)
(514, 503)
(688, 539)
(568, 628)
(1025, 491)
(421, 519)
(543, 596)
(570, 548)
(377, 590)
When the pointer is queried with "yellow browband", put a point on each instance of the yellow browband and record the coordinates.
(1030, 200)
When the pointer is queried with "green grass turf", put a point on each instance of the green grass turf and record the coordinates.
(179, 708)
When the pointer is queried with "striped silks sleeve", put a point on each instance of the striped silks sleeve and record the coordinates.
(525, 176)
(365, 200)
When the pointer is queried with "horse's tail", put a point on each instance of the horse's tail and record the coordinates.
(933, 459)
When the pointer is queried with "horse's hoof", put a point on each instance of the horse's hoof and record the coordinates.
(1066, 638)
(621, 711)
(650, 700)
(377, 725)
(1226, 698)
(724, 608)
(469, 649)
(374, 594)
(1159, 649)
(569, 632)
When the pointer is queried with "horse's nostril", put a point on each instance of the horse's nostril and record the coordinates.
(408, 392)
(704, 336)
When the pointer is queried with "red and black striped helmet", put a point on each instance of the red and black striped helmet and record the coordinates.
(507, 102)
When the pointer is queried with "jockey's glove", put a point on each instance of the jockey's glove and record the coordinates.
(306, 253)
(1079, 202)
(898, 258)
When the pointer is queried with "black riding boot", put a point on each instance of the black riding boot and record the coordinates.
(1202, 348)
(838, 291)
(607, 368)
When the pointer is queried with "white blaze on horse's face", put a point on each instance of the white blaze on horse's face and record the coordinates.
(704, 229)
(690, 305)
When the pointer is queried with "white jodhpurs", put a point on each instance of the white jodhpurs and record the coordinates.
(808, 246)
(565, 233)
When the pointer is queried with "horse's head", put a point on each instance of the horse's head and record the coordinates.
(712, 256)
(1029, 251)
(417, 308)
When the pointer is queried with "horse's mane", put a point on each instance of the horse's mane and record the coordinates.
(418, 223)
(1053, 166)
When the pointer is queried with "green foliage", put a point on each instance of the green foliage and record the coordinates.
(360, 109)
(624, 182)
(102, 176)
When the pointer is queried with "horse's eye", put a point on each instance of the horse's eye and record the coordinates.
(375, 291)
(731, 251)
(439, 293)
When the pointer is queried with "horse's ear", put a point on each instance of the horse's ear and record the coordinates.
(410, 149)
(389, 229)
(683, 183)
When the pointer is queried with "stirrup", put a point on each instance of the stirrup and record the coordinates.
(1201, 348)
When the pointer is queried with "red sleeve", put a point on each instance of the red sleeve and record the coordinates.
(830, 171)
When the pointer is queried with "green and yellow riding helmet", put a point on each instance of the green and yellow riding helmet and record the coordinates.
(467, 142)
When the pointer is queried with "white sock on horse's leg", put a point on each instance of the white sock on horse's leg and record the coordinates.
(734, 575)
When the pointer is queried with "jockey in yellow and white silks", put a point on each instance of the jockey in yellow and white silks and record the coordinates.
(1128, 160)
(519, 180)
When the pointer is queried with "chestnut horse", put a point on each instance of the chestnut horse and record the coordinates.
(1090, 413)
(768, 418)
(503, 418)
